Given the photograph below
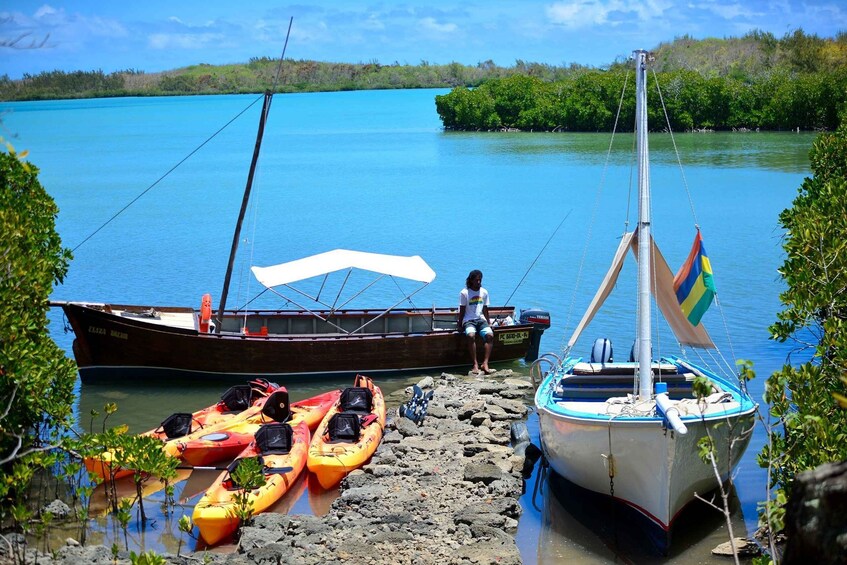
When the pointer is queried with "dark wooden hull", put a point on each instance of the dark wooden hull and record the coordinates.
(112, 348)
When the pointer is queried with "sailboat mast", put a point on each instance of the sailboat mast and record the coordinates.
(266, 106)
(645, 386)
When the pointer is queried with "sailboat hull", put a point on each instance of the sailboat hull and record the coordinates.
(653, 469)
(125, 343)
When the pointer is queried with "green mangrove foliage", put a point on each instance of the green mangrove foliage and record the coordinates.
(811, 427)
(259, 75)
(588, 100)
(746, 59)
(36, 378)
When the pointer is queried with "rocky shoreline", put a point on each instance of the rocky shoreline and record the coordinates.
(446, 491)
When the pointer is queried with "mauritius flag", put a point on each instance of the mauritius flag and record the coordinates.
(693, 284)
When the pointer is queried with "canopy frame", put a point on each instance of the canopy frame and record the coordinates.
(282, 275)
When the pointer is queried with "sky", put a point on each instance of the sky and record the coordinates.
(153, 35)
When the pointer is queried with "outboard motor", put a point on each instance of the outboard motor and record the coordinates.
(540, 320)
(602, 350)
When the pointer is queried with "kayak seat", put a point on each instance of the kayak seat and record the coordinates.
(177, 425)
(274, 439)
(276, 406)
(344, 427)
(237, 398)
(357, 399)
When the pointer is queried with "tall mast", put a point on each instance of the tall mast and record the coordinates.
(645, 387)
(266, 107)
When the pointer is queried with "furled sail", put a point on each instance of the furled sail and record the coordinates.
(662, 288)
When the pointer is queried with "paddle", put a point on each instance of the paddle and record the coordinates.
(267, 470)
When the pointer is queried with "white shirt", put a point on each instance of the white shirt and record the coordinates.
(473, 301)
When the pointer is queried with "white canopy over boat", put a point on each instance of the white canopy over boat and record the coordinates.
(412, 268)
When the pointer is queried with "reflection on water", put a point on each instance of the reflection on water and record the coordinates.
(592, 528)
(774, 151)
(563, 523)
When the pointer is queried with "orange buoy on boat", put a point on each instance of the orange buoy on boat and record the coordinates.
(205, 312)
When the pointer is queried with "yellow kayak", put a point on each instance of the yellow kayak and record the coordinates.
(349, 433)
(283, 452)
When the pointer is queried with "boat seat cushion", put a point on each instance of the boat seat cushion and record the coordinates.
(357, 399)
(237, 398)
(274, 439)
(276, 406)
(344, 427)
(177, 425)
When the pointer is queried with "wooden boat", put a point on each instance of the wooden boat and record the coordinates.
(223, 443)
(631, 429)
(121, 342)
(234, 403)
(110, 346)
(349, 434)
(283, 451)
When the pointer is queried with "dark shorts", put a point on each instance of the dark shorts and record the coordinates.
(471, 327)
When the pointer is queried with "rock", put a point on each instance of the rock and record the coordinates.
(426, 383)
(58, 509)
(482, 473)
(406, 427)
(392, 437)
(468, 409)
(514, 393)
(513, 407)
(814, 516)
(362, 494)
(488, 387)
(439, 412)
(743, 548)
(523, 383)
(497, 413)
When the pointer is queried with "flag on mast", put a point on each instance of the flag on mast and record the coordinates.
(694, 284)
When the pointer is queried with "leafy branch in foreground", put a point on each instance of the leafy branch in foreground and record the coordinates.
(811, 427)
(36, 378)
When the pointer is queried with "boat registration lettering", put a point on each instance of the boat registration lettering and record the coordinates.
(96, 330)
(513, 338)
(117, 334)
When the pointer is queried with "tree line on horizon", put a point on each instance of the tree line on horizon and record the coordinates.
(755, 81)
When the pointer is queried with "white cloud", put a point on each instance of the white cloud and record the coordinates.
(182, 40)
(728, 11)
(585, 13)
(373, 23)
(43, 11)
(432, 25)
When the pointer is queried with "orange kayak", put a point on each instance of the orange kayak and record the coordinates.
(224, 442)
(283, 450)
(349, 433)
(234, 403)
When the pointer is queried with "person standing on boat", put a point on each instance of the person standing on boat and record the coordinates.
(473, 319)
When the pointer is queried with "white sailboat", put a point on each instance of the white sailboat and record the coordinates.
(631, 429)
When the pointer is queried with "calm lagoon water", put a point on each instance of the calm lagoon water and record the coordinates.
(374, 171)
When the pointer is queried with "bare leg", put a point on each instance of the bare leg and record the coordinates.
(489, 345)
(472, 351)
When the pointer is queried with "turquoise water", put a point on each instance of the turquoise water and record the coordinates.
(373, 171)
